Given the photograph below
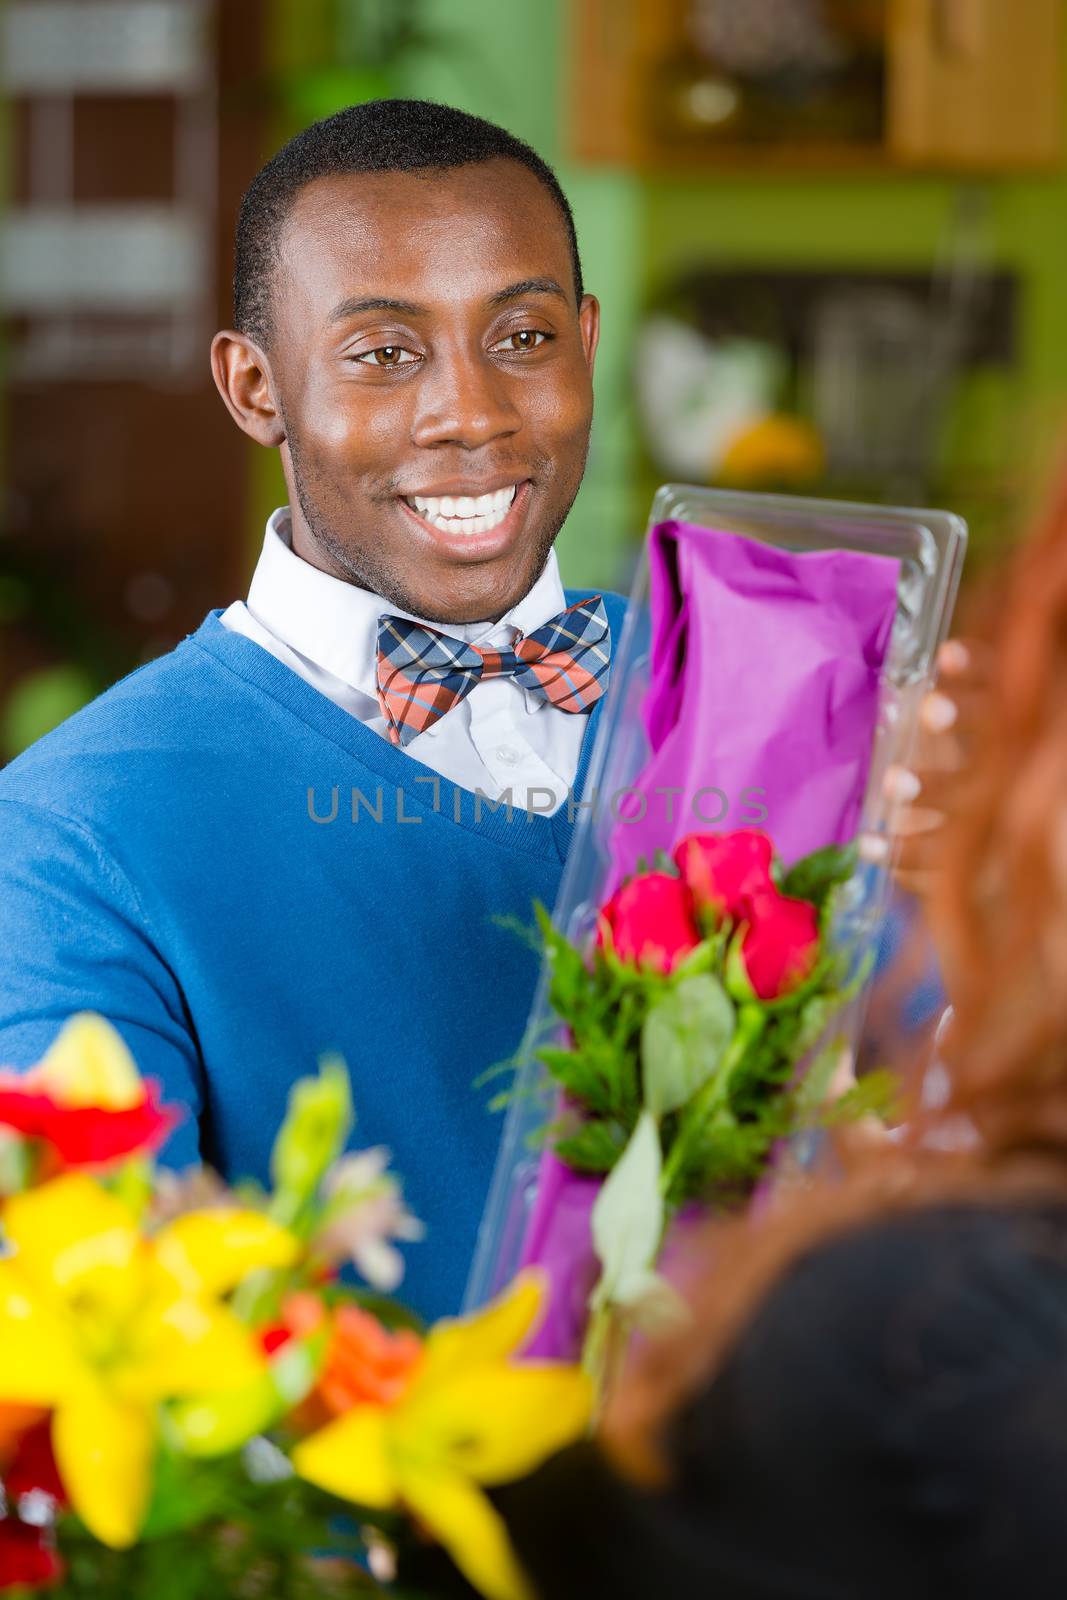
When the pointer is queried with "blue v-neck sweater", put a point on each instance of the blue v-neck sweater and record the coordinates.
(243, 877)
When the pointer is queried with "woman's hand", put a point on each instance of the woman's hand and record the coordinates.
(921, 797)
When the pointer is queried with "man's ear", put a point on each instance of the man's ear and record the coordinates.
(243, 378)
(589, 322)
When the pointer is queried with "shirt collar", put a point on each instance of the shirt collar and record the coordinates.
(334, 624)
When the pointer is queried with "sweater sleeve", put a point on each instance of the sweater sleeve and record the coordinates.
(74, 937)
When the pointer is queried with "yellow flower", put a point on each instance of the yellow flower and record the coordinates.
(89, 1065)
(101, 1324)
(470, 1416)
(776, 449)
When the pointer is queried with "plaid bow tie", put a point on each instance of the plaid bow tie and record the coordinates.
(422, 673)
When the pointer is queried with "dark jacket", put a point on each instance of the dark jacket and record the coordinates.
(893, 1423)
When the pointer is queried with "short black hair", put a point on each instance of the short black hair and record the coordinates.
(377, 136)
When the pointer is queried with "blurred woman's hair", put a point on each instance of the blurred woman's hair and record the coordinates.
(999, 912)
(1000, 909)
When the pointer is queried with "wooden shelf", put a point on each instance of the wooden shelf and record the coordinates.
(971, 86)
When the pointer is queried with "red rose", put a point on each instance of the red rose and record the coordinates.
(721, 869)
(780, 944)
(651, 922)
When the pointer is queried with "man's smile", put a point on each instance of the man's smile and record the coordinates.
(469, 523)
(462, 510)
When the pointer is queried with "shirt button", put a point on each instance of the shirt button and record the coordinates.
(507, 755)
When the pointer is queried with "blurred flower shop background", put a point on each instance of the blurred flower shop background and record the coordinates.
(829, 236)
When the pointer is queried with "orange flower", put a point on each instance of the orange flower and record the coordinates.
(365, 1363)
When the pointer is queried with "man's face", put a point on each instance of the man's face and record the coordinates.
(434, 376)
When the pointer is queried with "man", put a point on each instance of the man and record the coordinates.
(293, 834)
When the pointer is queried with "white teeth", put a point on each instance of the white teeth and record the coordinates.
(465, 513)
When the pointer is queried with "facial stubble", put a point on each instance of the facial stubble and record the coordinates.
(376, 577)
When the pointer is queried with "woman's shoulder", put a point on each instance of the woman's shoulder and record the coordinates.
(919, 1262)
(876, 1331)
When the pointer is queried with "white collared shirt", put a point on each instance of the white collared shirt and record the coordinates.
(499, 737)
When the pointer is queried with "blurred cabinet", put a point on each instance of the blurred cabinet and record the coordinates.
(133, 128)
(976, 82)
(947, 84)
(104, 257)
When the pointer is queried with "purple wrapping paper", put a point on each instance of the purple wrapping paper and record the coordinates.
(558, 1239)
(763, 692)
(765, 673)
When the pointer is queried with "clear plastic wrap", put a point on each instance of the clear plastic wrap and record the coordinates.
(928, 547)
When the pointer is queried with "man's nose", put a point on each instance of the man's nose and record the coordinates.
(464, 400)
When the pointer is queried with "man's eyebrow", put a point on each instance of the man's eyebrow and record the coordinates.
(355, 304)
(527, 286)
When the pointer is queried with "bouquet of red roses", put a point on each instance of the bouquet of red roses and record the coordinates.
(699, 1035)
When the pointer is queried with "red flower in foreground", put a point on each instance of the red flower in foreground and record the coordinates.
(781, 943)
(85, 1099)
(650, 921)
(83, 1135)
(27, 1555)
(34, 1465)
(721, 869)
(27, 1551)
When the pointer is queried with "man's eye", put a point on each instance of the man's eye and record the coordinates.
(524, 339)
(387, 355)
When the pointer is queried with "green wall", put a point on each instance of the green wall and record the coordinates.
(1006, 423)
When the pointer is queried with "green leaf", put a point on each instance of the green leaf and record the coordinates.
(16, 1162)
(814, 876)
(663, 862)
(584, 1077)
(875, 1094)
(735, 973)
(132, 1182)
(627, 1218)
(732, 1155)
(766, 1064)
(185, 1493)
(704, 957)
(683, 1041)
(317, 1123)
(526, 934)
(594, 1147)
